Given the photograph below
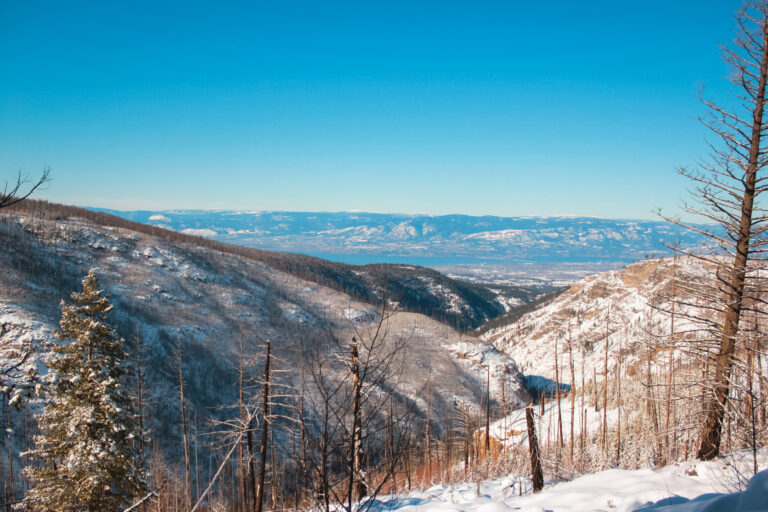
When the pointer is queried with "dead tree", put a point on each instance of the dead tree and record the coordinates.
(605, 390)
(728, 187)
(264, 433)
(573, 388)
(185, 440)
(488, 416)
(670, 364)
(427, 434)
(14, 192)
(349, 387)
(357, 487)
(533, 447)
(618, 406)
(559, 407)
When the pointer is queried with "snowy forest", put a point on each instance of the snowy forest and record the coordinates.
(149, 370)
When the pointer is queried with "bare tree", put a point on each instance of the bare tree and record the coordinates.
(728, 187)
(349, 389)
(185, 441)
(14, 192)
(264, 432)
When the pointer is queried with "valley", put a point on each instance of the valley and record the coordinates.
(442, 357)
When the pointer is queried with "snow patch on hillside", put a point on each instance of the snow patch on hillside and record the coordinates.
(616, 305)
(199, 232)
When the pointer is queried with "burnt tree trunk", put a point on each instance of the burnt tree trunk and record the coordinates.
(715, 406)
(537, 476)
(357, 487)
(264, 435)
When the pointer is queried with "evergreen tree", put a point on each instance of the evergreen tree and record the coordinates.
(84, 457)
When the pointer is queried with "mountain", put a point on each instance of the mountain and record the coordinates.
(431, 240)
(625, 311)
(413, 288)
(210, 306)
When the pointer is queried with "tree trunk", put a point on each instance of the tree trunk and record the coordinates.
(427, 435)
(573, 389)
(251, 465)
(264, 435)
(185, 440)
(533, 447)
(488, 415)
(241, 463)
(715, 406)
(605, 391)
(357, 488)
(670, 366)
(618, 407)
(559, 409)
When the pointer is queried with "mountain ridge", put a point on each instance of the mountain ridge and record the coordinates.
(462, 237)
(411, 287)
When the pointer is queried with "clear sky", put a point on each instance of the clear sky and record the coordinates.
(503, 108)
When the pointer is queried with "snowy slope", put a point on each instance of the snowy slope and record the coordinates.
(718, 486)
(625, 306)
(204, 301)
(511, 431)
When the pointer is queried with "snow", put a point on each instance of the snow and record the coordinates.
(357, 316)
(159, 217)
(508, 303)
(694, 486)
(455, 303)
(199, 232)
(616, 303)
(483, 361)
(511, 430)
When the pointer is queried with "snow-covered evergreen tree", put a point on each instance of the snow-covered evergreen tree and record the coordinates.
(84, 457)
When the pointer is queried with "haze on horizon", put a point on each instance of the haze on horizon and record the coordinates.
(504, 108)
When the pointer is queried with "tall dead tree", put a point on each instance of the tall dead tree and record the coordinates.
(357, 487)
(559, 408)
(184, 438)
(605, 390)
(670, 365)
(573, 388)
(264, 433)
(727, 191)
(427, 435)
(488, 415)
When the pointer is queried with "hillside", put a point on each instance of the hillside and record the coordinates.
(210, 308)
(629, 307)
(461, 304)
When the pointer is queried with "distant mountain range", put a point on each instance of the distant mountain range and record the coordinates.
(359, 238)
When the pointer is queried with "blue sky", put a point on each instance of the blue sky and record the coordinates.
(502, 108)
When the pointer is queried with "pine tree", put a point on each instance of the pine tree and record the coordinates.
(84, 458)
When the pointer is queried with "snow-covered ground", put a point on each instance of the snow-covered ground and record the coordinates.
(616, 304)
(694, 486)
(511, 430)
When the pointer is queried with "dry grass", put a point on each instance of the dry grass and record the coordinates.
(635, 275)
